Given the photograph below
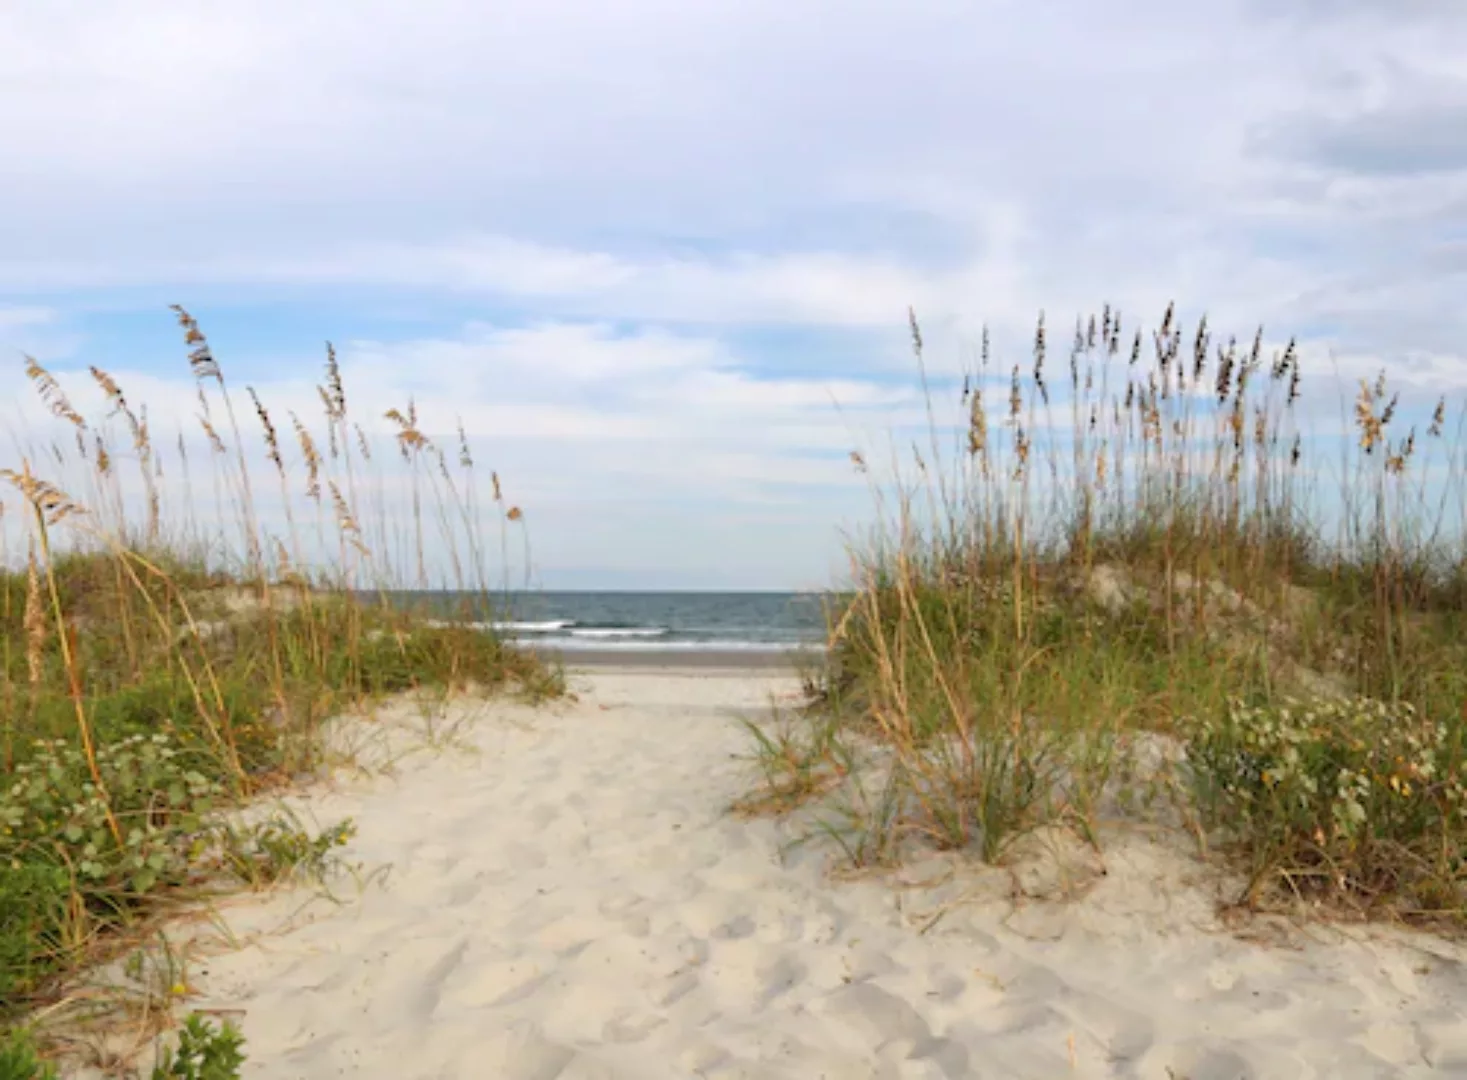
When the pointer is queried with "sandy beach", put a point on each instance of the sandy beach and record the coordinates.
(561, 893)
(692, 541)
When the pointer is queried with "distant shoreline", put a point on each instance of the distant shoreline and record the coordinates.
(672, 659)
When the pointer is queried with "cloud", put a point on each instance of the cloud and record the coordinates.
(592, 430)
(1397, 140)
(804, 288)
(13, 318)
(645, 247)
(27, 330)
(1402, 122)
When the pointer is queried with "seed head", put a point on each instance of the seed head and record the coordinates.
(199, 358)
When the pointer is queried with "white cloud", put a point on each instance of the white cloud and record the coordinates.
(592, 431)
(12, 318)
(628, 188)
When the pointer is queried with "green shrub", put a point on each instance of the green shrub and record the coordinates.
(53, 809)
(57, 842)
(1353, 801)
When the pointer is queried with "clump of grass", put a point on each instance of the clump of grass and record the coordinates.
(280, 848)
(179, 616)
(1117, 552)
(797, 761)
(19, 1059)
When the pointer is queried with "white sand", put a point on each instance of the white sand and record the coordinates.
(572, 901)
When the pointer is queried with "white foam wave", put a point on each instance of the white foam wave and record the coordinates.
(654, 645)
(617, 633)
(549, 627)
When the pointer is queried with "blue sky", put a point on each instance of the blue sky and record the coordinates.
(640, 248)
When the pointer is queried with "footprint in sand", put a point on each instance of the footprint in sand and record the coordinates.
(748, 975)
(874, 1016)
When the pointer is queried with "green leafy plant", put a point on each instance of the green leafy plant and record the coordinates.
(280, 848)
(1354, 801)
(19, 1060)
(204, 1052)
(53, 808)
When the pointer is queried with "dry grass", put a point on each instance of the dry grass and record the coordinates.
(1141, 545)
(177, 627)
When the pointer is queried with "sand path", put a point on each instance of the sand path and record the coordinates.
(572, 901)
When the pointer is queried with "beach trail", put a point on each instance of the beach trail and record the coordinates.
(562, 893)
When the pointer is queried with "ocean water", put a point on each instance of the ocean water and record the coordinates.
(664, 621)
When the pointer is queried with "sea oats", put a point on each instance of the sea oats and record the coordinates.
(272, 443)
(311, 456)
(200, 359)
(34, 620)
(51, 393)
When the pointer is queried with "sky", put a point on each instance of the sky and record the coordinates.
(657, 256)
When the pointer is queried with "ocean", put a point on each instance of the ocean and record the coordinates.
(629, 622)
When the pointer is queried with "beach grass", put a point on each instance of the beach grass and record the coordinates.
(180, 617)
(1149, 553)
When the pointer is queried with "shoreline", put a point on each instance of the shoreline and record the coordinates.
(673, 660)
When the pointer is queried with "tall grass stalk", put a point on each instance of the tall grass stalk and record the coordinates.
(1168, 562)
(164, 656)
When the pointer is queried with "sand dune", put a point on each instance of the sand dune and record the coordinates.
(571, 900)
